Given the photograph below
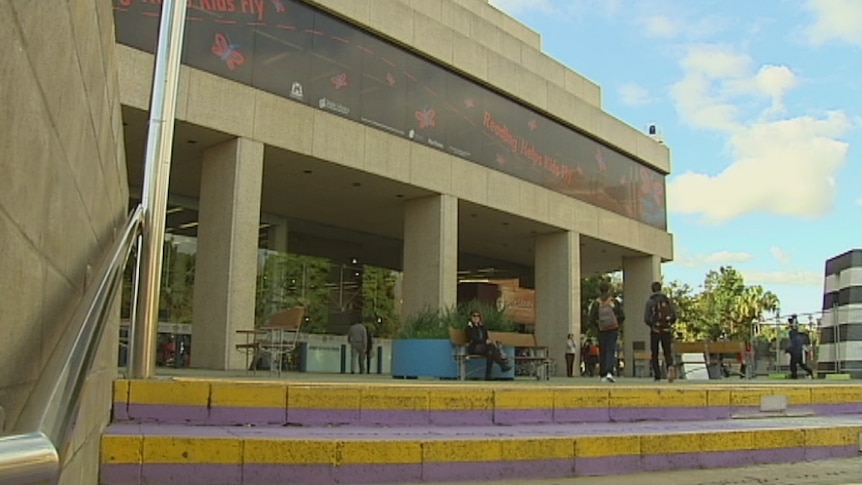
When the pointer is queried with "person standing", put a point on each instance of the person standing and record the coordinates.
(357, 337)
(480, 344)
(571, 350)
(660, 316)
(795, 349)
(368, 349)
(607, 315)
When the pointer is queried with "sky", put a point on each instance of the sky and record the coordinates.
(760, 104)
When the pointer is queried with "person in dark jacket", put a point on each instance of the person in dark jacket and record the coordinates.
(606, 314)
(480, 344)
(795, 349)
(660, 316)
(368, 349)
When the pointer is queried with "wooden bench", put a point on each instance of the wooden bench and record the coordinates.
(537, 363)
(708, 349)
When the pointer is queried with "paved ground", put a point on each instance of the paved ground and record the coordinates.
(825, 472)
(325, 378)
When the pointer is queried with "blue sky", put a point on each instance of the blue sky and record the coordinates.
(761, 106)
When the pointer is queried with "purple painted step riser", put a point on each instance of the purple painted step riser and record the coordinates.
(227, 416)
(253, 474)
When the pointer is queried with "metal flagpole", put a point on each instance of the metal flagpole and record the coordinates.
(157, 170)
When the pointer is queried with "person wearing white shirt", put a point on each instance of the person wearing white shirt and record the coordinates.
(571, 350)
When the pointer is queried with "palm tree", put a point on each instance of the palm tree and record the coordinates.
(749, 308)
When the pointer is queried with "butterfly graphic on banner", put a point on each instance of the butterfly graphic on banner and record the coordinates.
(651, 186)
(469, 103)
(427, 117)
(279, 7)
(533, 124)
(391, 79)
(227, 52)
(339, 80)
(600, 160)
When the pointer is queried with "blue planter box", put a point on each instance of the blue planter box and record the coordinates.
(433, 358)
(423, 358)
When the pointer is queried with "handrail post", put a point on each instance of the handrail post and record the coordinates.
(157, 169)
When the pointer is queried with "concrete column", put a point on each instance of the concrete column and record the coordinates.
(638, 274)
(430, 254)
(226, 262)
(558, 292)
(278, 235)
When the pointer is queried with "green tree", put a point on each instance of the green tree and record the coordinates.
(288, 280)
(749, 309)
(690, 318)
(725, 308)
(378, 295)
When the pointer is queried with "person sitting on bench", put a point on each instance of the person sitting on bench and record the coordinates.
(480, 344)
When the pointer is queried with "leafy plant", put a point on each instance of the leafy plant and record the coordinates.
(435, 323)
(424, 324)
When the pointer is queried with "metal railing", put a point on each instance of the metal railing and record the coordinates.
(42, 435)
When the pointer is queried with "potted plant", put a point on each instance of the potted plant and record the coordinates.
(422, 347)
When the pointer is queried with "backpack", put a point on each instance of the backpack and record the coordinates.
(607, 315)
(663, 314)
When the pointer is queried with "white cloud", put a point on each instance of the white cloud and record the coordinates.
(859, 201)
(780, 166)
(661, 26)
(513, 7)
(783, 167)
(565, 8)
(712, 259)
(634, 94)
(679, 23)
(797, 278)
(780, 255)
(836, 20)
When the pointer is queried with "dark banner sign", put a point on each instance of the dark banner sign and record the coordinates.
(292, 50)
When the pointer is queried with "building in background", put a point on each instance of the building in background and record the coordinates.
(841, 328)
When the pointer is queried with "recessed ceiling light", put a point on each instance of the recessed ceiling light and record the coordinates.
(191, 142)
(357, 184)
(400, 196)
(306, 171)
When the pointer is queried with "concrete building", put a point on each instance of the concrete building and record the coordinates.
(841, 326)
(426, 136)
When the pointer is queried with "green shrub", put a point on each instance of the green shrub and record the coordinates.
(435, 323)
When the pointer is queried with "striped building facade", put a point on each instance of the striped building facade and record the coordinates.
(841, 334)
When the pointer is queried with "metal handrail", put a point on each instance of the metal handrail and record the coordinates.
(33, 455)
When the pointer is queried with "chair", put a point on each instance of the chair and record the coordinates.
(282, 336)
(276, 340)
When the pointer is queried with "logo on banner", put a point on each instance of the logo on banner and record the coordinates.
(296, 90)
(328, 104)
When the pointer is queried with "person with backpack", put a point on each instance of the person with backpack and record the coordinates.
(606, 314)
(660, 316)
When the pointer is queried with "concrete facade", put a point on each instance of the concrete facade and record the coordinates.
(67, 90)
(479, 211)
(63, 197)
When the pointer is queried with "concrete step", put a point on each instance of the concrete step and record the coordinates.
(225, 402)
(135, 453)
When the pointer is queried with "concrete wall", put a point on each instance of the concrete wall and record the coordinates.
(63, 194)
